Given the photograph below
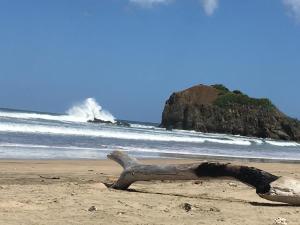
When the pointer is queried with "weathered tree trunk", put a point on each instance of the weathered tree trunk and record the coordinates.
(267, 185)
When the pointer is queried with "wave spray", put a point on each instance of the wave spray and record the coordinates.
(89, 109)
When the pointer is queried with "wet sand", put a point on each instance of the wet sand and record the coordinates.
(63, 191)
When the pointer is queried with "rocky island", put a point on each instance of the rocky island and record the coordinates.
(216, 109)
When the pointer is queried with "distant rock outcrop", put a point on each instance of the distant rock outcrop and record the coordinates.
(218, 110)
(117, 122)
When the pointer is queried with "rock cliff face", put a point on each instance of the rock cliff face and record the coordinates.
(218, 110)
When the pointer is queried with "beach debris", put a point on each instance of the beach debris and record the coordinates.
(166, 210)
(214, 209)
(92, 208)
(281, 221)
(186, 206)
(267, 185)
(206, 209)
(231, 184)
(51, 178)
(198, 182)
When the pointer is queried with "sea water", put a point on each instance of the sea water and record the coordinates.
(35, 135)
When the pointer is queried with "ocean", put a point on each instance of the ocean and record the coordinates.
(36, 135)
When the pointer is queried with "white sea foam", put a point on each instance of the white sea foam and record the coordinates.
(283, 144)
(16, 145)
(111, 133)
(220, 137)
(254, 140)
(23, 115)
(82, 112)
(134, 125)
(31, 151)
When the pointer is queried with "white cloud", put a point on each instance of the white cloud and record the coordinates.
(209, 6)
(293, 7)
(149, 3)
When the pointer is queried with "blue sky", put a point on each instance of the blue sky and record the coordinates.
(132, 54)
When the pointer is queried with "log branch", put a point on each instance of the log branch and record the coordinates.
(261, 180)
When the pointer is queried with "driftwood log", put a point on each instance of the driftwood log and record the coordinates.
(267, 185)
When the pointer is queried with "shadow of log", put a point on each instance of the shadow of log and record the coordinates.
(269, 204)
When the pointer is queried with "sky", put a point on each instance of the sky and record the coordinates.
(130, 55)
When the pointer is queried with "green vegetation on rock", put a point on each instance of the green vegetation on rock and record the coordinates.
(221, 88)
(238, 92)
(228, 98)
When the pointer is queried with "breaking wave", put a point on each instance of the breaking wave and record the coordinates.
(133, 135)
(90, 110)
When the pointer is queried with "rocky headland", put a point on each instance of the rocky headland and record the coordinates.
(216, 109)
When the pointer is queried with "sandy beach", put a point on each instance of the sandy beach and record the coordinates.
(72, 192)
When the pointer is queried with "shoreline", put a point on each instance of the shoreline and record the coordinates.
(230, 158)
(173, 156)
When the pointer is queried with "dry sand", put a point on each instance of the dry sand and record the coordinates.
(61, 192)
